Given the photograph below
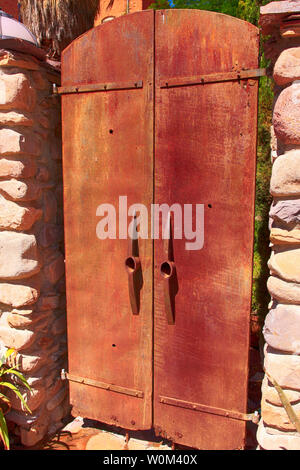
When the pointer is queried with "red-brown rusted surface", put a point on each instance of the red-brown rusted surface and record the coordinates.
(203, 138)
(108, 151)
(10, 7)
(205, 149)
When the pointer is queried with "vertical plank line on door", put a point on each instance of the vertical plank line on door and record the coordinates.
(153, 201)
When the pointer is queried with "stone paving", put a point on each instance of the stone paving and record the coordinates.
(89, 437)
(84, 434)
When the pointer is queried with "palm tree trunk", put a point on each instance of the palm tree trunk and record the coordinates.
(56, 23)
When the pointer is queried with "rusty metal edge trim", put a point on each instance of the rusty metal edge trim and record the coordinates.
(94, 383)
(212, 78)
(210, 409)
(285, 403)
(94, 87)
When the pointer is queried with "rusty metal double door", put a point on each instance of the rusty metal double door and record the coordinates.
(161, 108)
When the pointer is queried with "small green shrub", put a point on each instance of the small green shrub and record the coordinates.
(5, 375)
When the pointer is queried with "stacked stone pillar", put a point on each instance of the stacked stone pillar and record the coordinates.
(282, 325)
(32, 293)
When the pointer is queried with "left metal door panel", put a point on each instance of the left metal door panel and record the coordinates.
(107, 153)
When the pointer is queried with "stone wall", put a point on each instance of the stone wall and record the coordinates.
(282, 325)
(32, 285)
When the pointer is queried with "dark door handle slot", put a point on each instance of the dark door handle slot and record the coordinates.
(169, 275)
(134, 270)
(133, 267)
(133, 264)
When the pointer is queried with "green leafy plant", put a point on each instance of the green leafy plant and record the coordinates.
(6, 373)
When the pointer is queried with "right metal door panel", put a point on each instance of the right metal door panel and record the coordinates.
(205, 147)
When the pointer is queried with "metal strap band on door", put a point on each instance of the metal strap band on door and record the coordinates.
(169, 83)
(212, 78)
(210, 409)
(95, 383)
(94, 87)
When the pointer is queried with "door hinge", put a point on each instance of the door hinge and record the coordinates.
(212, 78)
(93, 87)
(105, 386)
(254, 417)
